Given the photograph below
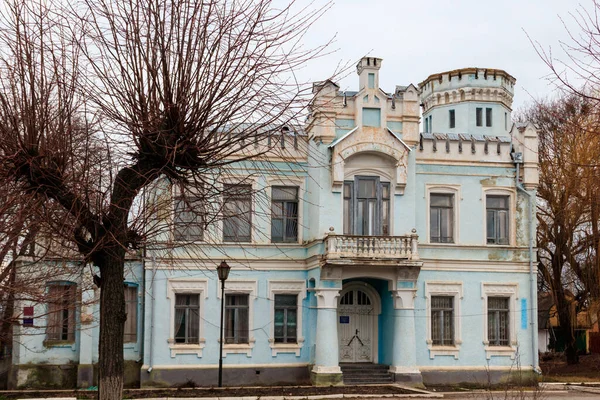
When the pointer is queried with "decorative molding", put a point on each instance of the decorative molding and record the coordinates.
(510, 290)
(297, 287)
(327, 297)
(241, 287)
(186, 286)
(404, 299)
(454, 289)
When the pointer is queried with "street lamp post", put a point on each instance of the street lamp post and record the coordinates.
(223, 273)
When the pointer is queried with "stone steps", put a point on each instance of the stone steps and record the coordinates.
(360, 374)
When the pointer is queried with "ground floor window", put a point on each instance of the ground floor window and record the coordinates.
(61, 311)
(131, 303)
(442, 320)
(498, 321)
(187, 318)
(286, 310)
(236, 318)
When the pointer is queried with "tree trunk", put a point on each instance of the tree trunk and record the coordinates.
(112, 321)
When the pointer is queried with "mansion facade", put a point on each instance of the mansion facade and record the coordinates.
(399, 231)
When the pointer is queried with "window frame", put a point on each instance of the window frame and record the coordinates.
(509, 290)
(488, 117)
(238, 197)
(446, 289)
(496, 239)
(452, 118)
(444, 189)
(187, 286)
(478, 116)
(381, 200)
(71, 309)
(442, 311)
(285, 217)
(135, 303)
(510, 192)
(248, 287)
(295, 287)
(181, 228)
(235, 309)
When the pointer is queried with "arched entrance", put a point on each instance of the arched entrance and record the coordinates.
(359, 306)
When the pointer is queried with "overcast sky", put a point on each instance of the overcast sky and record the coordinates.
(416, 38)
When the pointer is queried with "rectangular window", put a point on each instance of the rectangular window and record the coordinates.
(187, 221)
(385, 208)
(237, 213)
(286, 318)
(442, 320)
(348, 208)
(61, 312)
(187, 318)
(427, 125)
(131, 304)
(284, 214)
(479, 116)
(441, 218)
(372, 117)
(430, 123)
(505, 121)
(498, 321)
(488, 117)
(497, 219)
(236, 318)
(371, 81)
(452, 117)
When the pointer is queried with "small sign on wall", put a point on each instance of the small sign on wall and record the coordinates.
(344, 319)
(27, 316)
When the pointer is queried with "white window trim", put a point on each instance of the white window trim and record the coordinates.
(510, 290)
(512, 212)
(300, 183)
(454, 289)
(240, 180)
(297, 287)
(186, 286)
(248, 287)
(444, 189)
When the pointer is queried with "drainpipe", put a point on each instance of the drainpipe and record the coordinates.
(518, 160)
(151, 347)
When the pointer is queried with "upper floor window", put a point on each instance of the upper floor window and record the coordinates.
(61, 312)
(488, 117)
(237, 213)
(442, 320)
(426, 125)
(187, 318)
(497, 219)
(286, 317)
(130, 335)
(236, 318)
(284, 214)
(452, 118)
(187, 221)
(479, 116)
(366, 206)
(441, 218)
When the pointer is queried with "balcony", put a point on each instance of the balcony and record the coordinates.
(366, 248)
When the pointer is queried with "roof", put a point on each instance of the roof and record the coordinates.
(465, 137)
(468, 70)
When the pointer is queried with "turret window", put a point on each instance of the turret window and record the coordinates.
(479, 116)
(452, 117)
(488, 117)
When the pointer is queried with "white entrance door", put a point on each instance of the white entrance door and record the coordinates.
(356, 322)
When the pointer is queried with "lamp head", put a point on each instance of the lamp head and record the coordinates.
(223, 270)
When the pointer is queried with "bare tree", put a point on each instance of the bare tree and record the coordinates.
(153, 89)
(569, 193)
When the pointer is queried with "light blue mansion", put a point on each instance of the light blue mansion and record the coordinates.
(371, 244)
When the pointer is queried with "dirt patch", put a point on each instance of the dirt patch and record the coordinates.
(556, 369)
(218, 392)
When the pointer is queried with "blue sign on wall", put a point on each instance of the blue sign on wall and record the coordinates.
(344, 319)
(523, 313)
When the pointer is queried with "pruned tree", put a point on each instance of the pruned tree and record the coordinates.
(569, 194)
(102, 100)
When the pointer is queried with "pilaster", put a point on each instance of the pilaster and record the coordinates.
(326, 370)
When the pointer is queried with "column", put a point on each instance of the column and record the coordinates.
(326, 370)
(404, 356)
(85, 369)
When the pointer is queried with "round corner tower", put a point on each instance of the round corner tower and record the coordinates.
(474, 101)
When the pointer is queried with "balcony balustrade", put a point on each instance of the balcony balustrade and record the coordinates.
(372, 247)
